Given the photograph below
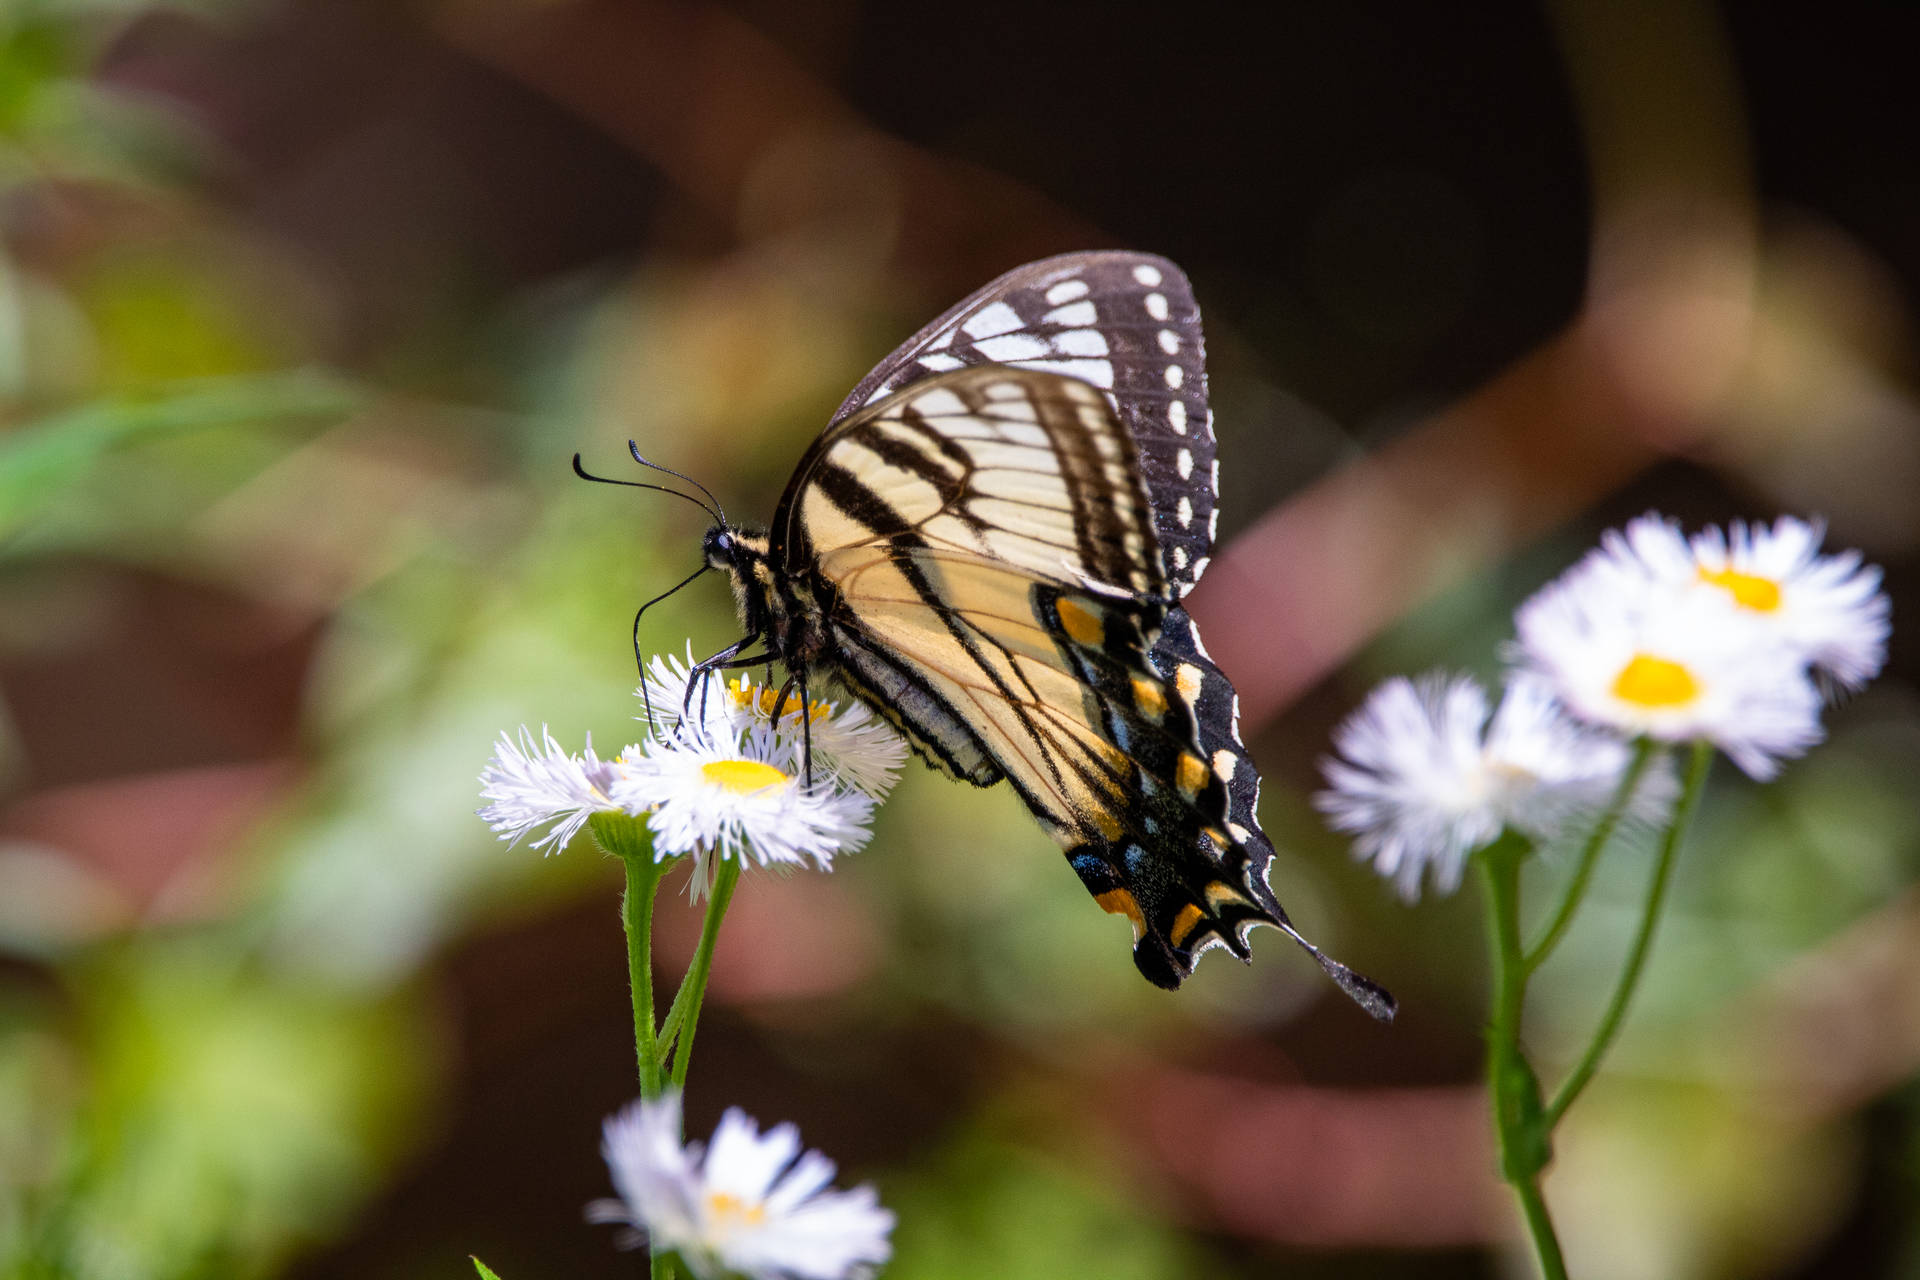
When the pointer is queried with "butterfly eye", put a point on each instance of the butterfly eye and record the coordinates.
(718, 547)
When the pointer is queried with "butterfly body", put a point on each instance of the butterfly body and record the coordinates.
(776, 607)
(988, 545)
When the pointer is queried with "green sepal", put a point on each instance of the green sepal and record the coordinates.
(486, 1272)
(622, 835)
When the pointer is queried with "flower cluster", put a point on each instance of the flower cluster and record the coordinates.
(749, 1203)
(716, 775)
(1727, 637)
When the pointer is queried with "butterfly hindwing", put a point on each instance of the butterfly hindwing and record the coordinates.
(1172, 866)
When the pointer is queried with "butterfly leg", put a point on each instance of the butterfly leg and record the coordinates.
(806, 734)
(728, 659)
(703, 669)
(806, 718)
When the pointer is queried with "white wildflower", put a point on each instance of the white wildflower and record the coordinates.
(1619, 647)
(533, 784)
(1830, 610)
(851, 742)
(739, 799)
(1424, 780)
(750, 1204)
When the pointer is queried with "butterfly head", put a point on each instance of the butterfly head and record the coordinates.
(719, 548)
(743, 555)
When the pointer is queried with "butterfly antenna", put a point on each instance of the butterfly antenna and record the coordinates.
(634, 449)
(712, 510)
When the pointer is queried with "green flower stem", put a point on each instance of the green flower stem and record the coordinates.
(636, 912)
(1518, 1123)
(1603, 1035)
(693, 988)
(1603, 831)
(628, 840)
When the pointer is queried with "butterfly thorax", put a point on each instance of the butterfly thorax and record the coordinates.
(772, 604)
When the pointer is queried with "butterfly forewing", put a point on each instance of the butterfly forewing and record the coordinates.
(1125, 323)
(1025, 468)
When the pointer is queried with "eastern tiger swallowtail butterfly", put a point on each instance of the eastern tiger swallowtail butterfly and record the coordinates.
(988, 545)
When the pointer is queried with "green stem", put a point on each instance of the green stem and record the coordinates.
(1523, 1138)
(628, 840)
(1603, 1035)
(685, 1013)
(1590, 856)
(636, 912)
(1546, 1245)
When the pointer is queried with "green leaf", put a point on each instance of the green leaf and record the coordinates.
(486, 1272)
(39, 460)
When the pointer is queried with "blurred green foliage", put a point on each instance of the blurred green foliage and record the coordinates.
(45, 461)
(989, 1208)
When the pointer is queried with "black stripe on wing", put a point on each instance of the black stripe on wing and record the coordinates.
(1128, 324)
(1021, 465)
(900, 695)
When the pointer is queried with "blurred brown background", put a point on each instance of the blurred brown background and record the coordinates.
(304, 308)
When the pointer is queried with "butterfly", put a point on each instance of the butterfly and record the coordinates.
(988, 545)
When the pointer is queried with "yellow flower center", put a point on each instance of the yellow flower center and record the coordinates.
(742, 777)
(1759, 594)
(766, 697)
(733, 1211)
(1655, 682)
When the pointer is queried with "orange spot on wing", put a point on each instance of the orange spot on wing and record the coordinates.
(1184, 924)
(1148, 698)
(1118, 902)
(1080, 623)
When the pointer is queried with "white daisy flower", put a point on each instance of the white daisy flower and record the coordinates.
(1828, 609)
(534, 784)
(749, 1204)
(1424, 780)
(739, 798)
(852, 743)
(1619, 647)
